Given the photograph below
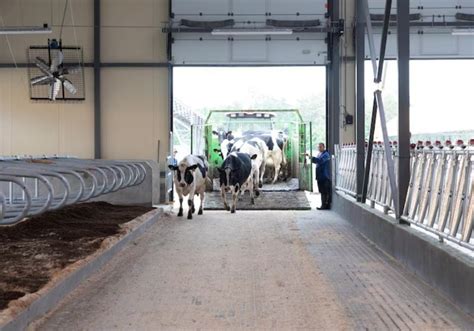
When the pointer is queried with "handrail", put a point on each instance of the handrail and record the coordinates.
(440, 197)
(32, 185)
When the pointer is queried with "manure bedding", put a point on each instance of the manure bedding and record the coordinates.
(32, 251)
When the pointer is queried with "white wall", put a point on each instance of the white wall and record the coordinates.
(37, 128)
(134, 100)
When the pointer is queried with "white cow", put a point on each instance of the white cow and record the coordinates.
(190, 179)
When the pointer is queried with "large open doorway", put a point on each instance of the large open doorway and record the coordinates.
(290, 102)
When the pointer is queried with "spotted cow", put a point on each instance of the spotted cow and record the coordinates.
(236, 174)
(190, 179)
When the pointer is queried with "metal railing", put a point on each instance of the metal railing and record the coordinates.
(440, 195)
(379, 191)
(30, 186)
(345, 164)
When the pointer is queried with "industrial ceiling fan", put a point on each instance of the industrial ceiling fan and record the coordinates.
(54, 72)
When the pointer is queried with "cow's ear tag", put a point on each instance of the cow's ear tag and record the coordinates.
(253, 157)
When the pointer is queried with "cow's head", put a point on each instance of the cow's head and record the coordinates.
(183, 174)
(222, 135)
(230, 168)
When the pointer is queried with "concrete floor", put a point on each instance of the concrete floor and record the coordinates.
(254, 270)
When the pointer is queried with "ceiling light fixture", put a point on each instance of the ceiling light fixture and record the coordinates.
(463, 32)
(9, 30)
(251, 32)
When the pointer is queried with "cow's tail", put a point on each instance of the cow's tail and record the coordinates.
(283, 151)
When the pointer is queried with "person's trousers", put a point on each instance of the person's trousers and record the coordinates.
(324, 187)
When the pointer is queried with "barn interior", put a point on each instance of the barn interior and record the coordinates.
(119, 118)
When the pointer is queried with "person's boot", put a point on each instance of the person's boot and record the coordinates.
(323, 202)
(327, 204)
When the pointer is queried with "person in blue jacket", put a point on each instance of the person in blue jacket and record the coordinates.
(323, 176)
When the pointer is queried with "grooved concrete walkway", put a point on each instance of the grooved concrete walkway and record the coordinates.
(254, 270)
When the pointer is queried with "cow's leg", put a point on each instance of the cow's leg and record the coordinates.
(201, 196)
(277, 171)
(252, 196)
(191, 204)
(180, 195)
(190, 210)
(223, 195)
(255, 182)
(242, 192)
(261, 174)
(235, 194)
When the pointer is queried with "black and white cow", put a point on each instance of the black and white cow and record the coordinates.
(234, 175)
(274, 153)
(254, 146)
(190, 179)
(276, 142)
(226, 140)
(226, 147)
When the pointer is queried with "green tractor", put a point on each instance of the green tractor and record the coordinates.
(221, 124)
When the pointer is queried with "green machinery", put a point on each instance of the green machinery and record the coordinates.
(288, 121)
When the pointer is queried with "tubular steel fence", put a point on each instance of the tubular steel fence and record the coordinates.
(440, 194)
(31, 186)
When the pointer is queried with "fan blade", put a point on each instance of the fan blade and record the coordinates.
(68, 85)
(72, 70)
(43, 66)
(41, 80)
(54, 89)
(57, 60)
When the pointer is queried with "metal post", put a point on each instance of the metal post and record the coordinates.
(328, 107)
(97, 95)
(360, 98)
(370, 148)
(170, 102)
(311, 154)
(336, 63)
(332, 80)
(403, 40)
(170, 71)
(192, 139)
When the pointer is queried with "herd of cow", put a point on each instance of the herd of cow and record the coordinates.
(246, 158)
